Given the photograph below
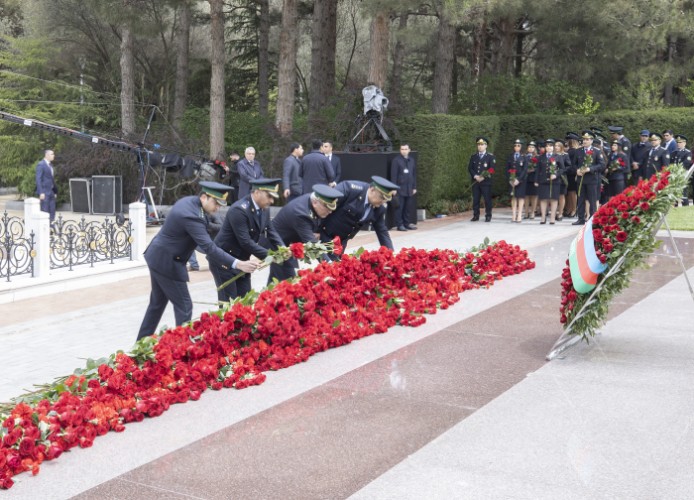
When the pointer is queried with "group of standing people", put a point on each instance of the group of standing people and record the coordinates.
(569, 177)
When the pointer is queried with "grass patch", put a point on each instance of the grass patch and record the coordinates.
(681, 218)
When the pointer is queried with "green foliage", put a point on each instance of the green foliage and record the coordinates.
(585, 107)
(681, 218)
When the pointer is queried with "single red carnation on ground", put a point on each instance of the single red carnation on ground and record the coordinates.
(297, 250)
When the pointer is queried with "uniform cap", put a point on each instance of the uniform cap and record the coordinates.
(681, 138)
(481, 140)
(587, 134)
(615, 129)
(549, 141)
(597, 130)
(216, 190)
(327, 195)
(655, 135)
(272, 186)
(532, 143)
(573, 135)
(518, 141)
(597, 142)
(384, 186)
(645, 133)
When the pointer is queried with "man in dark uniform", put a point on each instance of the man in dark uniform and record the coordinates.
(291, 181)
(639, 156)
(245, 222)
(298, 222)
(481, 168)
(589, 164)
(316, 168)
(683, 157)
(184, 229)
(327, 150)
(362, 204)
(658, 156)
(403, 172)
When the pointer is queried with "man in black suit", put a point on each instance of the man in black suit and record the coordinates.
(184, 229)
(291, 181)
(45, 184)
(658, 156)
(298, 222)
(246, 221)
(403, 172)
(334, 160)
(316, 168)
(589, 163)
(362, 204)
(481, 168)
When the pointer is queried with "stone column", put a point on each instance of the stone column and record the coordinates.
(37, 221)
(138, 218)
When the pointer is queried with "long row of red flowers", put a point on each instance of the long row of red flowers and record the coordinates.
(623, 226)
(328, 306)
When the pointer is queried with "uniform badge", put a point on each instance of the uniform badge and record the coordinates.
(406, 171)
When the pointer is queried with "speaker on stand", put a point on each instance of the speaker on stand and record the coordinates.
(80, 195)
(107, 194)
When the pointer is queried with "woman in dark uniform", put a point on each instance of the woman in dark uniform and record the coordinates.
(564, 163)
(516, 172)
(616, 167)
(530, 189)
(572, 139)
(548, 183)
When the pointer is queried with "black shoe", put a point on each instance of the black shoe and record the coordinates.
(411, 227)
(487, 218)
(578, 223)
(543, 222)
(475, 218)
(402, 228)
(192, 268)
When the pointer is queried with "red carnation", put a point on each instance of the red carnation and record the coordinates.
(297, 250)
(490, 170)
(645, 206)
(337, 246)
(533, 159)
(622, 236)
(512, 171)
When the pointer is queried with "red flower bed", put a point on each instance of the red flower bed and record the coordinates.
(328, 306)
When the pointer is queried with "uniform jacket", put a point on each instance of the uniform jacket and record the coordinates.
(478, 164)
(543, 173)
(597, 165)
(520, 165)
(290, 175)
(337, 166)
(184, 229)
(247, 172)
(625, 147)
(403, 172)
(639, 153)
(683, 157)
(297, 222)
(345, 220)
(45, 183)
(242, 228)
(657, 159)
(316, 169)
(614, 171)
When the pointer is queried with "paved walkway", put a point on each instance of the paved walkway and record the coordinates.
(464, 406)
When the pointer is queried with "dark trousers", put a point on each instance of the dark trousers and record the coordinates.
(615, 187)
(238, 288)
(165, 290)
(481, 189)
(402, 212)
(589, 192)
(48, 205)
(283, 271)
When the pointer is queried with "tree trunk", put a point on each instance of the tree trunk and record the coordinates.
(398, 60)
(286, 77)
(127, 93)
(478, 44)
(378, 53)
(520, 38)
(443, 69)
(263, 57)
(323, 40)
(181, 85)
(217, 60)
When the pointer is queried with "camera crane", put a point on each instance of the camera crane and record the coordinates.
(139, 150)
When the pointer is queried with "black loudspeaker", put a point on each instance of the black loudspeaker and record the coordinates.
(107, 194)
(361, 166)
(80, 198)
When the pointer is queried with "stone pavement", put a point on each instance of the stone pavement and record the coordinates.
(464, 406)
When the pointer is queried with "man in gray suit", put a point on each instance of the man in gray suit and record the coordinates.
(316, 168)
(291, 181)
